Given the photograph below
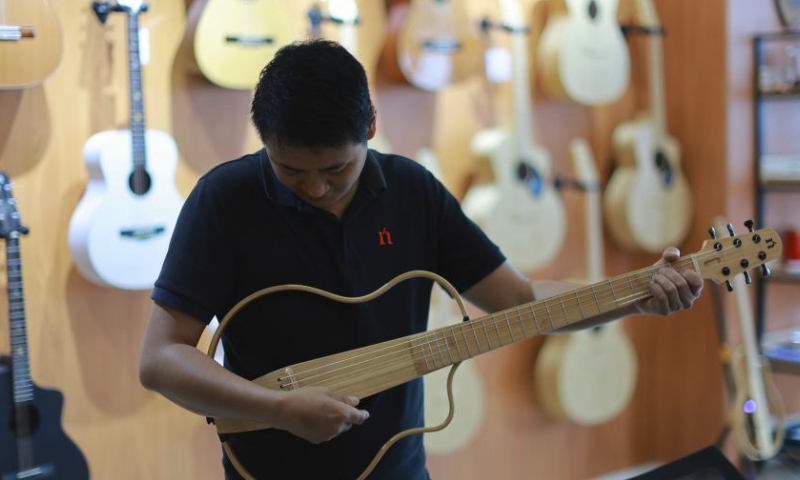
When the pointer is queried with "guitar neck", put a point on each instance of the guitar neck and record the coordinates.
(23, 385)
(446, 346)
(138, 148)
(655, 50)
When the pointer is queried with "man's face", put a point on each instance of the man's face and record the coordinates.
(323, 177)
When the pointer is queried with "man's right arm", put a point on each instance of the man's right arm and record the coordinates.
(171, 365)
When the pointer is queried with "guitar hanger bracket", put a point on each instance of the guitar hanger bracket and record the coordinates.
(632, 29)
(487, 25)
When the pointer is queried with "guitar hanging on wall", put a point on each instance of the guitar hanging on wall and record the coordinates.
(374, 368)
(233, 40)
(648, 203)
(120, 231)
(582, 53)
(587, 377)
(34, 446)
(522, 212)
(30, 43)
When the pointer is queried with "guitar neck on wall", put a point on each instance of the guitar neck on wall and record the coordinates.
(34, 444)
(30, 43)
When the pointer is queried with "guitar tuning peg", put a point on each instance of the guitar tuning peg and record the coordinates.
(747, 278)
(765, 270)
(713, 232)
(728, 284)
(749, 224)
(730, 230)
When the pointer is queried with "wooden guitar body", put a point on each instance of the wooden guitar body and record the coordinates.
(582, 53)
(524, 216)
(234, 40)
(118, 238)
(647, 202)
(438, 45)
(56, 455)
(30, 43)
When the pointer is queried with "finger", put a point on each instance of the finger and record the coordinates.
(670, 255)
(694, 280)
(357, 417)
(660, 301)
(671, 291)
(350, 400)
(685, 293)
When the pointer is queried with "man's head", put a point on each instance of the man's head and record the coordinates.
(313, 112)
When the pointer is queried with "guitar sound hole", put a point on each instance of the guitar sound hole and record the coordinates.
(530, 177)
(593, 10)
(663, 165)
(139, 182)
(24, 420)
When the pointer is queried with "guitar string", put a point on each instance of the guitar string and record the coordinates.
(346, 374)
(569, 303)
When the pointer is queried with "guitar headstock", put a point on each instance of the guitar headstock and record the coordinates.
(721, 259)
(131, 7)
(9, 216)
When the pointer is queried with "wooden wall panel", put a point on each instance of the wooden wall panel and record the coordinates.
(85, 339)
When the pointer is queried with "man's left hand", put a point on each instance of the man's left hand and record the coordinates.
(672, 290)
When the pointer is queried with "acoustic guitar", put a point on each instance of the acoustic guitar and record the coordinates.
(587, 377)
(757, 414)
(521, 211)
(120, 231)
(30, 43)
(582, 53)
(374, 368)
(438, 45)
(34, 445)
(648, 204)
(233, 40)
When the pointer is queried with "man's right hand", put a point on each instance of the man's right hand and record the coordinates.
(317, 414)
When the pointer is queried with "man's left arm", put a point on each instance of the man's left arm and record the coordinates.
(507, 287)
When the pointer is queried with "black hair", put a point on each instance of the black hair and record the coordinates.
(313, 93)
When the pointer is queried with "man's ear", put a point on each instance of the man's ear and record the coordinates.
(373, 124)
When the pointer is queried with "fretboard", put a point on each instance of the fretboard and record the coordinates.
(23, 386)
(136, 95)
(445, 346)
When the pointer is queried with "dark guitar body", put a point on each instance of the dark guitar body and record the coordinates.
(55, 455)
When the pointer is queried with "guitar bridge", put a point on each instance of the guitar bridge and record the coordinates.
(249, 40)
(35, 473)
(10, 33)
(142, 233)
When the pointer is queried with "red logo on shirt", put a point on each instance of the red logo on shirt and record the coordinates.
(384, 237)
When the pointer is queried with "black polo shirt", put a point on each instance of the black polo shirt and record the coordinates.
(241, 230)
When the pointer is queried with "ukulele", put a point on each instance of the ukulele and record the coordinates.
(758, 434)
(30, 43)
(374, 368)
(34, 444)
(521, 211)
(233, 40)
(587, 377)
(582, 53)
(648, 204)
(438, 45)
(120, 231)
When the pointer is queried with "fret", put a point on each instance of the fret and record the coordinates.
(422, 351)
(566, 316)
(510, 330)
(463, 329)
(499, 337)
(430, 349)
(438, 349)
(535, 321)
(447, 346)
(597, 303)
(580, 307)
(613, 295)
(521, 322)
(486, 332)
(549, 315)
(474, 332)
(454, 333)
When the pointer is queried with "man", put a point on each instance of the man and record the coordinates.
(316, 207)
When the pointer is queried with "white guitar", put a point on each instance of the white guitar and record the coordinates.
(648, 203)
(582, 53)
(521, 211)
(120, 231)
(587, 377)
